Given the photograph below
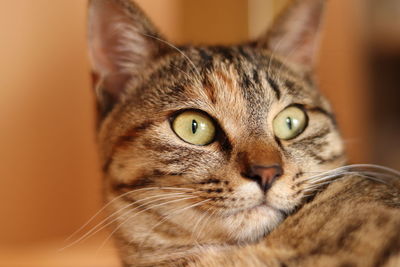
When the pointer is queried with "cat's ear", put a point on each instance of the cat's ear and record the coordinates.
(295, 33)
(122, 43)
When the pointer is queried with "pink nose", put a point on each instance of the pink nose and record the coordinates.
(264, 175)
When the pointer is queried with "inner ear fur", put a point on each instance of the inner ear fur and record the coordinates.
(122, 43)
(296, 32)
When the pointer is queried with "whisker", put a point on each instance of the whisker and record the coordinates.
(205, 213)
(205, 223)
(395, 172)
(317, 186)
(354, 168)
(177, 211)
(113, 200)
(377, 173)
(372, 175)
(177, 49)
(100, 227)
(134, 215)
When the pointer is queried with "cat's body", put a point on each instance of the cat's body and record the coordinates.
(354, 222)
(208, 149)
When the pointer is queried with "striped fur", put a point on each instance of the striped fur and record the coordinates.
(172, 201)
(355, 222)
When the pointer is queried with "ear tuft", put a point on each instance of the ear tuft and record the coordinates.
(295, 33)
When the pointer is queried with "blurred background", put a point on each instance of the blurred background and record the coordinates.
(49, 173)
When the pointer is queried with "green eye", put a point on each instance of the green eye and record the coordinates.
(289, 123)
(194, 127)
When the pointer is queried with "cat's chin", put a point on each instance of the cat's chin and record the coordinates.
(249, 225)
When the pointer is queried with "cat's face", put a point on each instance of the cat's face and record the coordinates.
(206, 144)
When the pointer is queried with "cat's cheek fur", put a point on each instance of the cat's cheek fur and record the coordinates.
(282, 197)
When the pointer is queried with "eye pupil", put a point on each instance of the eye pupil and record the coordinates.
(289, 123)
(194, 126)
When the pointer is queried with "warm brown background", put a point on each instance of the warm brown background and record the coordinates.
(49, 178)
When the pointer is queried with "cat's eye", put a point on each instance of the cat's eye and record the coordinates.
(289, 123)
(194, 127)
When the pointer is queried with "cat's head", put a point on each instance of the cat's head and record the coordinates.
(208, 143)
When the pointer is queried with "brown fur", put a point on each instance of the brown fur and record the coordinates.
(355, 222)
(173, 201)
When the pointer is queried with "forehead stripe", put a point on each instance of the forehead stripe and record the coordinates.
(274, 87)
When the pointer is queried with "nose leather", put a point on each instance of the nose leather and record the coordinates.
(264, 175)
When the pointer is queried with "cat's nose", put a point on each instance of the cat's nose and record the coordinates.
(264, 175)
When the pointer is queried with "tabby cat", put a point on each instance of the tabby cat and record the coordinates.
(212, 155)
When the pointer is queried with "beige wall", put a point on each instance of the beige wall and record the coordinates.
(48, 164)
(49, 178)
(212, 22)
(342, 75)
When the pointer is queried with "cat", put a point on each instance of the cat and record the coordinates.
(212, 155)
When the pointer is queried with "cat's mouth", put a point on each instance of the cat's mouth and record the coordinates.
(260, 207)
(252, 223)
(265, 206)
